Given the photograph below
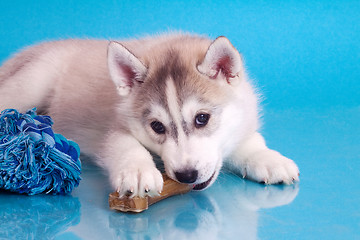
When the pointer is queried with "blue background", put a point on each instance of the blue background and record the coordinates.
(303, 55)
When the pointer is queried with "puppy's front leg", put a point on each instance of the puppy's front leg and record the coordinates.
(254, 160)
(130, 166)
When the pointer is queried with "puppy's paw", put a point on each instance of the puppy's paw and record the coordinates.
(138, 181)
(270, 167)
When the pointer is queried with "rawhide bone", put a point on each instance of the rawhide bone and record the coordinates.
(139, 204)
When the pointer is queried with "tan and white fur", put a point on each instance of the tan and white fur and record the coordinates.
(185, 98)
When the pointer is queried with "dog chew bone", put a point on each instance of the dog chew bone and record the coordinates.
(139, 204)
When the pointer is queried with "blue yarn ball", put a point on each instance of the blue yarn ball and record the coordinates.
(34, 159)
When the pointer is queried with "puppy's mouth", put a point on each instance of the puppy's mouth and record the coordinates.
(202, 186)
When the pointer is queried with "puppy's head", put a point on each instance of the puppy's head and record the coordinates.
(179, 97)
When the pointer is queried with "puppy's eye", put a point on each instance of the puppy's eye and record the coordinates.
(158, 127)
(201, 120)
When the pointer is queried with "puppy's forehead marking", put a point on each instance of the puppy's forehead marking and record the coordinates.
(174, 109)
(153, 90)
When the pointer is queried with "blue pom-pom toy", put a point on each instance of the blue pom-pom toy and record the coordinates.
(32, 158)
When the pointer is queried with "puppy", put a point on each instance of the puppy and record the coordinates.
(184, 98)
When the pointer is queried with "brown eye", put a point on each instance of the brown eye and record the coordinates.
(201, 120)
(158, 127)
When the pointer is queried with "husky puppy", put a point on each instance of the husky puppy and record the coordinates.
(185, 98)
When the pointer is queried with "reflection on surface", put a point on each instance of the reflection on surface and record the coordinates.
(36, 217)
(227, 209)
(181, 217)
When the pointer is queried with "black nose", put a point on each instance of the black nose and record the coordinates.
(187, 176)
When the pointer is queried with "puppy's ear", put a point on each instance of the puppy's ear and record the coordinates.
(222, 60)
(125, 69)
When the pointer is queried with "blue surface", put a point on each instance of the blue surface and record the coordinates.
(304, 56)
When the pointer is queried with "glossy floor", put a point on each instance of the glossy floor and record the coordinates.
(324, 205)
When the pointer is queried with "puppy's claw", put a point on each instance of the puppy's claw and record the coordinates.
(244, 173)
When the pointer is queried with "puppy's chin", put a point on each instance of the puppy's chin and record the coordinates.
(211, 179)
(206, 184)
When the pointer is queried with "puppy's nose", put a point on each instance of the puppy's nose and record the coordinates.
(187, 176)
